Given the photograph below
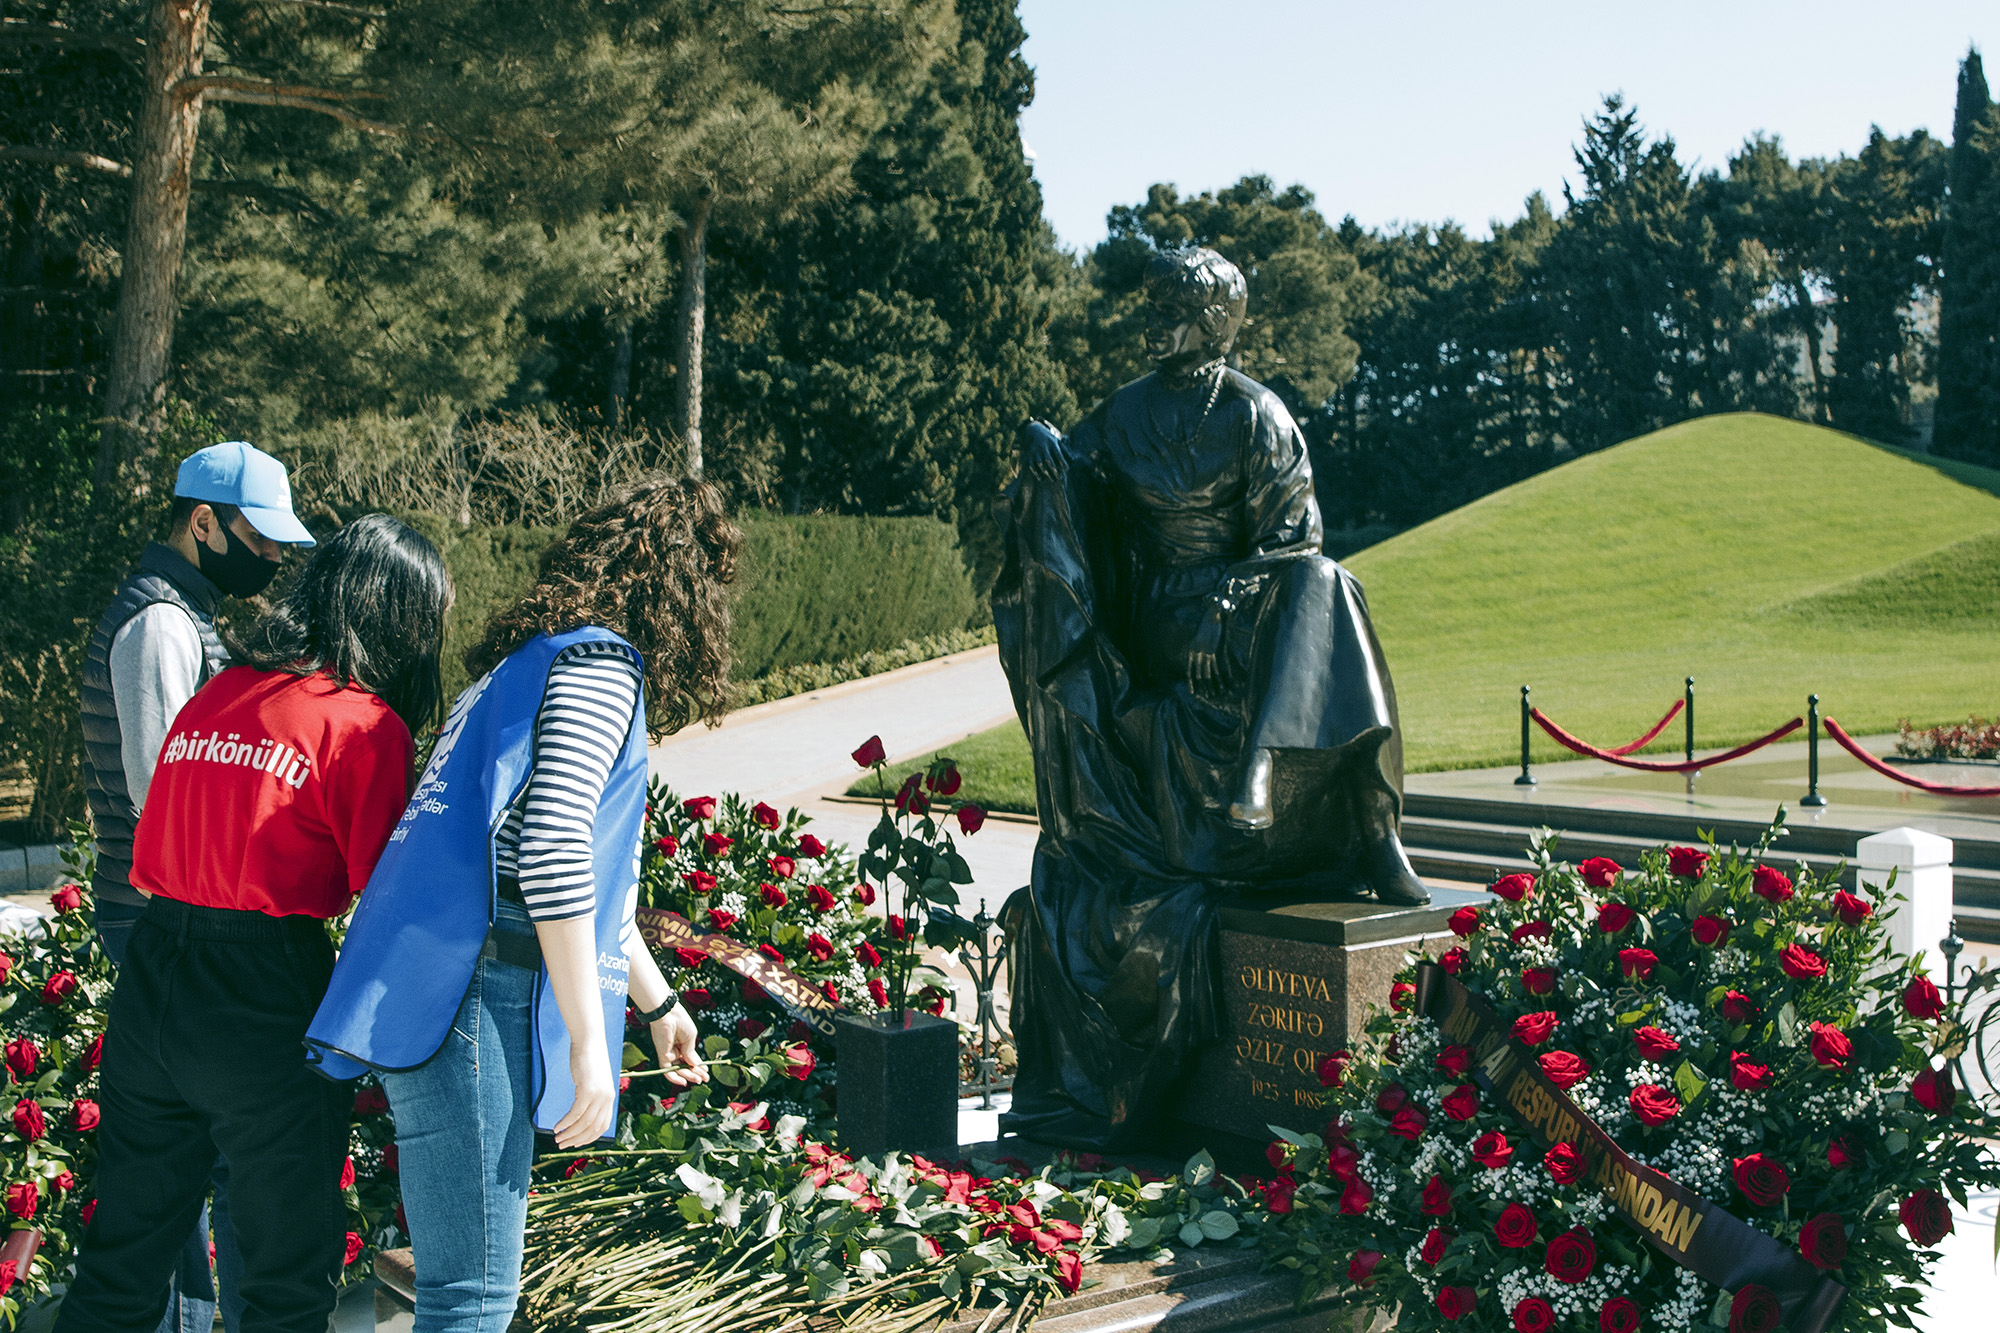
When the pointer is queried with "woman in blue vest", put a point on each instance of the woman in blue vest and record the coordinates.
(487, 969)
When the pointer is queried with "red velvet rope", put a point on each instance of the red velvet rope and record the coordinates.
(1658, 727)
(1849, 744)
(1569, 742)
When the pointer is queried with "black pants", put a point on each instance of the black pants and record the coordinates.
(204, 1055)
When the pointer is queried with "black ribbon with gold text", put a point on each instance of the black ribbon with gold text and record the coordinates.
(1721, 1249)
(799, 997)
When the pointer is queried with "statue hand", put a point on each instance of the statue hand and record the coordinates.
(1204, 666)
(1042, 451)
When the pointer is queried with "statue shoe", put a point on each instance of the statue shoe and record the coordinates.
(1252, 807)
(1385, 868)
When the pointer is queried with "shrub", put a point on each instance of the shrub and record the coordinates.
(1975, 739)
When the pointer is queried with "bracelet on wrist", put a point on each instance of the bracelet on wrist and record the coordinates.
(665, 1007)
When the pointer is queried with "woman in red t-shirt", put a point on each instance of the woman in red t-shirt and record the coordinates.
(276, 790)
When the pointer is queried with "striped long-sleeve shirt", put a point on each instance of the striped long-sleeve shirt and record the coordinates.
(545, 843)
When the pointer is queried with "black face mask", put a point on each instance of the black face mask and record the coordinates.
(238, 571)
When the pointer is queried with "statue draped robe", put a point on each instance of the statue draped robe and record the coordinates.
(1108, 578)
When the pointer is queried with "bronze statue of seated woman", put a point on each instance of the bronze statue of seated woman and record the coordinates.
(1207, 703)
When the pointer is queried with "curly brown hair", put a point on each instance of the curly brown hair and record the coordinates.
(649, 563)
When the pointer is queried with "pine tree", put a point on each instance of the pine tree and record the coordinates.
(1968, 402)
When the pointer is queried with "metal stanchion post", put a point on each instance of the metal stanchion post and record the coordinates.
(1526, 779)
(1690, 719)
(1812, 797)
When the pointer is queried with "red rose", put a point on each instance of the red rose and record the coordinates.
(1801, 963)
(354, 1248)
(1435, 1244)
(698, 1000)
(1462, 1104)
(714, 844)
(1437, 1198)
(1454, 960)
(22, 1057)
(945, 783)
(819, 898)
(765, 815)
(1851, 910)
(747, 1028)
(23, 1198)
(772, 952)
(1456, 1302)
(870, 753)
(1565, 1164)
(827, 989)
(371, 1100)
(1686, 862)
(868, 954)
(1531, 930)
(1514, 888)
(1599, 872)
(1409, 1123)
(864, 894)
(67, 898)
(1515, 1227)
(1491, 1150)
(1654, 1104)
(1464, 922)
(1399, 995)
(29, 1122)
(1771, 885)
(1762, 1181)
(800, 1061)
(1920, 999)
(1654, 1044)
(811, 847)
(878, 992)
(1361, 1268)
(1925, 1215)
(970, 818)
(1571, 1256)
(1748, 1075)
(719, 919)
(781, 867)
(1614, 917)
(1736, 1008)
(93, 1054)
(59, 988)
(699, 807)
(819, 946)
(899, 929)
(1332, 1069)
(1830, 1046)
(1534, 1029)
(1454, 1060)
(1933, 1090)
(1823, 1241)
(699, 881)
(89, 1210)
(1564, 1069)
(392, 1161)
(1391, 1098)
(1342, 1161)
(1637, 963)
(911, 798)
(1069, 1271)
(1709, 930)
(1534, 1315)
(1618, 1315)
(1839, 1153)
(6, 966)
(347, 1174)
(1538, 980)
(772, 895)
(1354, 1200)
(668, 846)
(1754, 1310)
(63, 1183)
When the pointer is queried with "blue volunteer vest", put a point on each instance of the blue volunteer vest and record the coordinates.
(418, 929)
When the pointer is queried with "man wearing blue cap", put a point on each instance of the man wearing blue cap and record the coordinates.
(155, 646)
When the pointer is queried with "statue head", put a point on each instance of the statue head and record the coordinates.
(1195, 301)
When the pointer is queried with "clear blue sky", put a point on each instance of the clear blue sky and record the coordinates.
(1432, 110)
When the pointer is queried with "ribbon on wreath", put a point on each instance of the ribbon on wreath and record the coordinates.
(1718, 1247)
(798, 997)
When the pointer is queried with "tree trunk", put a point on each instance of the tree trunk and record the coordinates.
(155, 235)
(620, 387)
(692, 317)
(1810, 324)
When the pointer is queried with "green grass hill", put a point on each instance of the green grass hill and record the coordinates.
(1767, 558)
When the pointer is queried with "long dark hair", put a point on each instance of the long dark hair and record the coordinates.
(648, 564)
(368, 610)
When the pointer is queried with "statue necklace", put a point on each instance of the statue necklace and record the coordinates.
(1220, 368)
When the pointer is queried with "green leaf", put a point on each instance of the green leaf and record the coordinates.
(1689, 1083)
(1145, 1234)
(1629, 1019)
(1191, 1235)
(1788, 1025)
(1218, 1225)
(1895, 1141)
(1200, 1170)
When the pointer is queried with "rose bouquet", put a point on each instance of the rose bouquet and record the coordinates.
(1740, 1029)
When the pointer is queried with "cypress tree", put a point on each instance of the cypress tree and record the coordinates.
(1968, 404)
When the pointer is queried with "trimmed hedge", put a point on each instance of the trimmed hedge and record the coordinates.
(490, 567)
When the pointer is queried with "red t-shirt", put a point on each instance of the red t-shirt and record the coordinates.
(275, 793)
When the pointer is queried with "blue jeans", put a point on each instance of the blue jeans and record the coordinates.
(466, 1141)
(191, 1306)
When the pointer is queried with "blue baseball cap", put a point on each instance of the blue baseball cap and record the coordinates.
(245, 476)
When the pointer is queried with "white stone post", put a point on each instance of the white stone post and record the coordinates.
(1922, 864)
